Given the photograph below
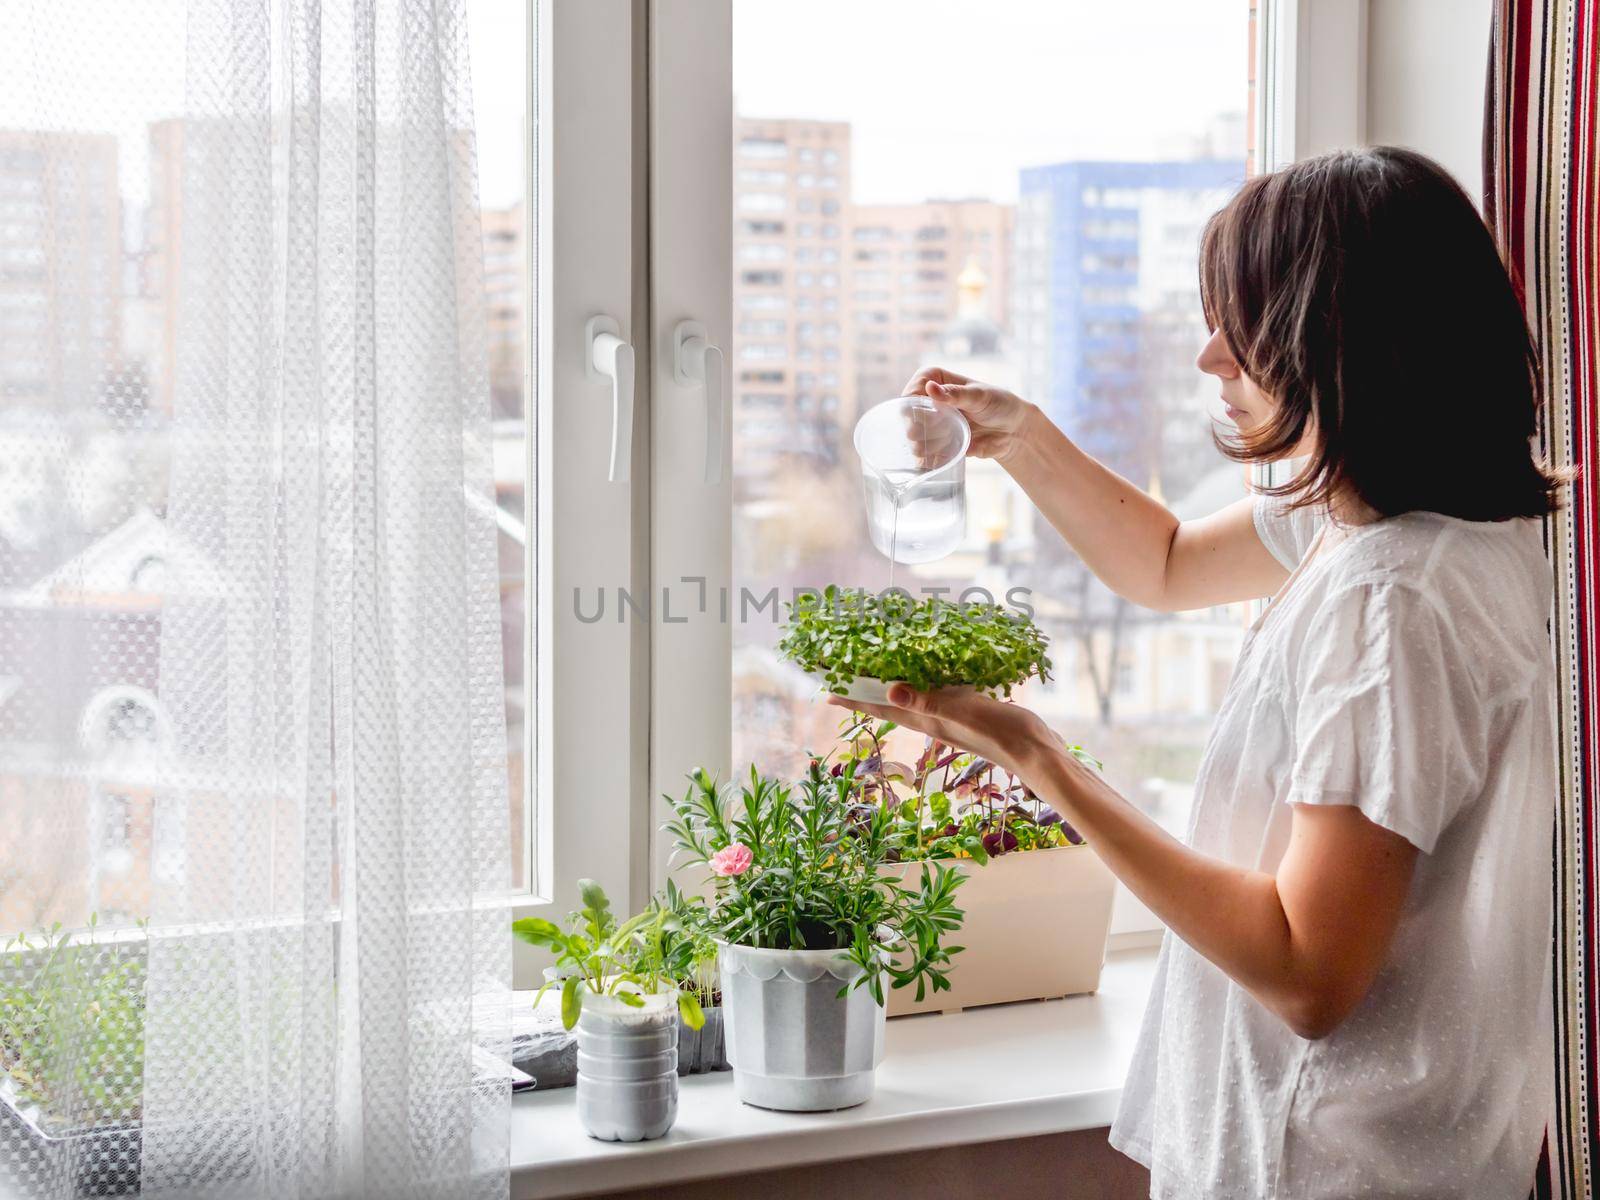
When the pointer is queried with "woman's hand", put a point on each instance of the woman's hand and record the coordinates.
(1004, 733)
(997, 417)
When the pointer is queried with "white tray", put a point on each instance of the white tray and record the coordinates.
(862, 689)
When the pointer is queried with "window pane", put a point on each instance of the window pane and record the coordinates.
(500, 79)
(1026, 210)
(91, 225)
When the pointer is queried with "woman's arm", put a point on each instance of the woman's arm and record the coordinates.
(1307, 941)
(1136, 546)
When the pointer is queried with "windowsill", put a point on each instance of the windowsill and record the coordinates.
(1012, 1070)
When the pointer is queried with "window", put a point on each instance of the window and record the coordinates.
(763, 148)
(501, 72)
(91, 218)
(760, 350)
(766, 328)
(1067, 224)
(762, 202)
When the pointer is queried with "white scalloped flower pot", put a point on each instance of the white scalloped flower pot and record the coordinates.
(794, 1043)
(628, 1067)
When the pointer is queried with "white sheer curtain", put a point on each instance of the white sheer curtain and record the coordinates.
(250, 651)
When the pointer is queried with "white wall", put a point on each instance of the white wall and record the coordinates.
(1426, 62)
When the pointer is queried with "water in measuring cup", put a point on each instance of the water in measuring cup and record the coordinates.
(912, 519)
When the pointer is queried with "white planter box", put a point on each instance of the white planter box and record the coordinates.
(1035, 929)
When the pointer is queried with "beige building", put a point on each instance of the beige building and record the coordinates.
(160, 263)
(505, 283)
(60, 237)
(906, 264)
(792, 368)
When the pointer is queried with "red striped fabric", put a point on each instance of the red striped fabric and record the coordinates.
(1542, 195)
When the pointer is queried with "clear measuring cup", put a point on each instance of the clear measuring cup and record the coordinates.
(913, 468)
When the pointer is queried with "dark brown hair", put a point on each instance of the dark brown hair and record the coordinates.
(1363, 291)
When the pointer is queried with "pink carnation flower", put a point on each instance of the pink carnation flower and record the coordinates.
(731, 860)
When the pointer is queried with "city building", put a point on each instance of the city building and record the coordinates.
(792, 366)
(1000, 518)
(60, 236)
(505, 283)
(155, 338)
(1104, 313)
(906, 262)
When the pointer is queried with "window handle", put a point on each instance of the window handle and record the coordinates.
(695, 361)
(607, 356)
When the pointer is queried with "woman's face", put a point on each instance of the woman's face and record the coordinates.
(1245, 404)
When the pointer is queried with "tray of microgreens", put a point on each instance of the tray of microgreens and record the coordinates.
(947, 803)
(848, 638)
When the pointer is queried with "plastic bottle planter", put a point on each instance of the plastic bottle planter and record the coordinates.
(628, 1067)
(794, 1043)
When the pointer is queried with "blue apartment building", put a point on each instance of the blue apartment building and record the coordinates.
(1102, 248)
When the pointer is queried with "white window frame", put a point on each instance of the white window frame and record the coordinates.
(587, 811)
(1311, 78)
(635, 219)
(1310, 83)
(691, 278)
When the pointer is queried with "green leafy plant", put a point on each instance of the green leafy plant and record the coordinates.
(689, 951)
(800, 867)
(929, 643)
(600, 956)
(72, 1025)
(947, 803)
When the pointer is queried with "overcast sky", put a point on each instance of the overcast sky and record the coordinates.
(951, 97)
(945, 97)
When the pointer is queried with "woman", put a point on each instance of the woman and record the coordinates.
(1353, 996)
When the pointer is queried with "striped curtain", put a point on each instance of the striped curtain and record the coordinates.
(1542, 196)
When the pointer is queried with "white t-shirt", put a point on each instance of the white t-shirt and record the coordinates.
(1406, 671)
